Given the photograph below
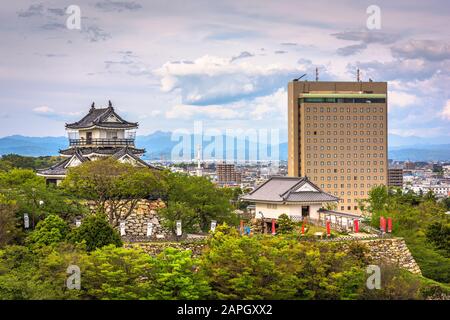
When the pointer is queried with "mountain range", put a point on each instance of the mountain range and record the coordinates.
(159, 145)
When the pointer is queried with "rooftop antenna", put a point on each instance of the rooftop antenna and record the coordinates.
(317, 74)
(358, 75)
(300, 77)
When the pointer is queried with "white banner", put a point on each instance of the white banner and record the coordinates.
(149, 229)
(213, 225)
(179, 231)
(26, 220)
(122, 228)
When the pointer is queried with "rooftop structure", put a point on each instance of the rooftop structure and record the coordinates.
(100, 133)
(294, 196)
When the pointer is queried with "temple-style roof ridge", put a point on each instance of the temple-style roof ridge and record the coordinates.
(128, 152)
(289, 189)
(99, 116)
(87, 151)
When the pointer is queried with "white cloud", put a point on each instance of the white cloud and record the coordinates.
(43, 109)
(213, 80)
(446, 111)
(401, 99)
(46, 111)
(271, 106)
(187, 112)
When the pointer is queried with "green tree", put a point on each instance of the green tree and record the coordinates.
(34, 197)
(114, 187)
(51, 230)
(176, 276)
(37, 274)
(202, 197)
(285, 224)
(112, 273)
(179, 211)
(9, 229)
(96, 232)
(438, 233)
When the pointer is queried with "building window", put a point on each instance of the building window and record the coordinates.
(271, 206)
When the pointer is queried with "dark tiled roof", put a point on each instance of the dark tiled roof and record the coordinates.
(310, 196)
(284, 189)
(60, 169)
(99, 150)
(129, 151)
(97, 117)
(340, 214)
(55, 170)
(273, 189)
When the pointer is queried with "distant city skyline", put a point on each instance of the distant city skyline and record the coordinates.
(168, 64)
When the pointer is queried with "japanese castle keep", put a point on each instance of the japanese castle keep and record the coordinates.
(100, 133)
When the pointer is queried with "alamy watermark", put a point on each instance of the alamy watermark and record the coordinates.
(73, 281)
(374, 279)
(73, 22)
(231, 145)
(373, 21)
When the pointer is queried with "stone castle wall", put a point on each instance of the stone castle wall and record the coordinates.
(393, 251)
(136, 223)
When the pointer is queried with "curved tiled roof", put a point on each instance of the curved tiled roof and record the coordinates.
(288, 189)
(97, 117)
(99, 150)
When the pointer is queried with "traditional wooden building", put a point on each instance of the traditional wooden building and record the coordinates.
(101, 133)
(297, 197)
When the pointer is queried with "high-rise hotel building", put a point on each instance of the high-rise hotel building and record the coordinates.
(338, 137)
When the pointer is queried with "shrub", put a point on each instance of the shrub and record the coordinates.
(438, 233)
(285, 224)
(49, 231)
(96, 232)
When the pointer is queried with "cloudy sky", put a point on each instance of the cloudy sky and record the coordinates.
(167, 63)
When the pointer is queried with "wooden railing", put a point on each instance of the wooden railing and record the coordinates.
(101, 142)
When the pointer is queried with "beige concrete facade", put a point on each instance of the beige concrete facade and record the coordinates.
(337, 137)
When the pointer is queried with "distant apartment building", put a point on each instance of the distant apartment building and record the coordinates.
(440, 190)
(338, 137)
(227, 174)
(395, 177)
(409, 165)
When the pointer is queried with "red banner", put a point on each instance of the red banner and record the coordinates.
(382, 224)
(303, 228)
(273, 226)
(242, 226)
(389, 222)
(328, 228)
(356, 226)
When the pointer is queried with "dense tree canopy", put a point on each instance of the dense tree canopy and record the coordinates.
(95, 232)
(196, 201)
(113, 185)
(413, 216)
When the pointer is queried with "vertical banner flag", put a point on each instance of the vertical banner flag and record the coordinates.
(328, 228)
(389, 222)
(242, 227)
(382, 224)
(356, 225)
(213, 225)
(26, 220)
(303, 228)
(273, 227)
(122, 228)
(179, 231)
(149, 229)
